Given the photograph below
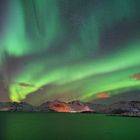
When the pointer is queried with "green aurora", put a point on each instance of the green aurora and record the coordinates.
(69, 49)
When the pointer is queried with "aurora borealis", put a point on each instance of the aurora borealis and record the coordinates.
(69, 49)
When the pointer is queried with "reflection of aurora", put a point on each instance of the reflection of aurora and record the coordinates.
(73, 49)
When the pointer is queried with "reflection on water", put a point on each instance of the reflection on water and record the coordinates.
(3, 125)
(61, 126)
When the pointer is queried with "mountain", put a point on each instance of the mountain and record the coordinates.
(99, 108)
(127, 108)
(57, 106)
(50, 106)
(14, 106)
(5, 106)
(78, 106)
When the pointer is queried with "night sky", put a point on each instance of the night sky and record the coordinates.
(68, 49)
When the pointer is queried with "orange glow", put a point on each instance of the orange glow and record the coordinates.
(59, 107)
(102, 95)
(136, 76)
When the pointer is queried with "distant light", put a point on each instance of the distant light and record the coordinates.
(102, 95)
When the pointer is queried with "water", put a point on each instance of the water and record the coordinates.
(61, 126)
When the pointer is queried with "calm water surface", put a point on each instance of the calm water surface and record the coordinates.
(61, 126)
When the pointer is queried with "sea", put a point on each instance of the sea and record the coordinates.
(67, 126)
